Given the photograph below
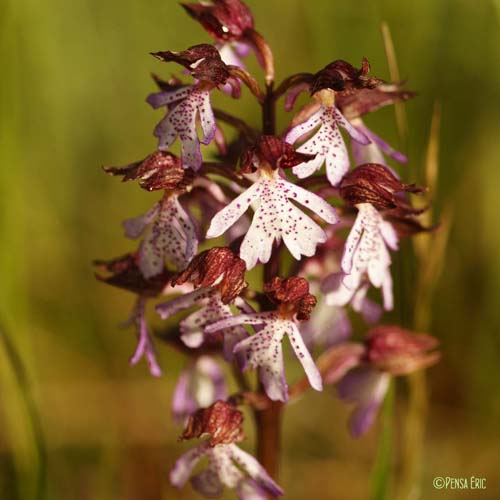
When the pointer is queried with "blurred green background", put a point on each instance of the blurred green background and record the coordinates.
(80, 423)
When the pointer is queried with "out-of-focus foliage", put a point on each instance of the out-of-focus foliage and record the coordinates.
(74, 76)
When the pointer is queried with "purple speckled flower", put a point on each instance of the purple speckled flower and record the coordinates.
(363, 372)
(275, 218)
(172, 236)
(264, 350)
(211, 309)
(199, 385)
(326, 142)
(229, 466)
(145, 347)
(365, 254)
(184, 106)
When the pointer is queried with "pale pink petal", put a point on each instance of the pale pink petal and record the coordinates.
(158, 99)
(207, 482)
(263, 350)
(185, 465)
(300, 130)
(384, 146)
(240, 319)
(293, 94)
(351, 130)
(169, 308)
(352, 243)
(389, 234)
(136, 226)
(337, 160)
(232, 212)
(313, 202)
(387, 292)
(257, 245)
(207, 120)
(305, 358)
(255, 470)
(308, 168)
(366, 388)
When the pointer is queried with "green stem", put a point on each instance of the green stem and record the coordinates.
(25, 391)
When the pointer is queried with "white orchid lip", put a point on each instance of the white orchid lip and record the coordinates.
(276, 218)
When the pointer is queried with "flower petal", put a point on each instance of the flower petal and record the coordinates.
(255, 470)
(352, 243)
(351, 130)
(185, 465)
(240, 319)
(300, 130)
(263, 350)
(302, 353)
(207, 120)
(159, 99)
(136, 226)
(169, 308)
(232, 212)
(366, 388)
(313, 202)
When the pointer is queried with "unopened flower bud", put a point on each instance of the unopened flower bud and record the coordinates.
(397, 351)
(221, 421)
(217, 267)
(377, 185)
(160, 170)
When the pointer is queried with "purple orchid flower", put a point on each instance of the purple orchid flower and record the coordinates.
(172, 236)
(363, 372)
(365, 254)
(264, 350)
(326, 143)
(186, 104)
(212, 309)
(275, 218)
(199, 385)
(227, 465)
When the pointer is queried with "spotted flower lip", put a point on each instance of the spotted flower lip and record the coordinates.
(272, 151)
(172, 236)
(211, 309)
(124, 272)
(225, 20)
(218, 267)
(325, 142)
(275, 218)
(377, 185)
(228, 465)
(365, 254)
(184, 105)
(159, 170)
(264, 350)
